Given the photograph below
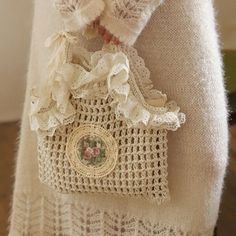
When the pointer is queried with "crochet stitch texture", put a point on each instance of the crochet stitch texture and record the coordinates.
(104, 99)
(180, 48)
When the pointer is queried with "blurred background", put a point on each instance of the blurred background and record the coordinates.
(15, 27)
(15, 30)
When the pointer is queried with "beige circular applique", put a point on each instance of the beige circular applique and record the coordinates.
(92, 151)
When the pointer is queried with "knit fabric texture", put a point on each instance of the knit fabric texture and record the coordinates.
(78, 14)
(125, 19)
(179, 46)
(75, 218)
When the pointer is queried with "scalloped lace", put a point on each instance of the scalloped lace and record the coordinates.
(109, 72)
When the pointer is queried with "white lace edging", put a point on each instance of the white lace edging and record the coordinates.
(50, 105)
(51, 215)
(78, 14)
(99, 75)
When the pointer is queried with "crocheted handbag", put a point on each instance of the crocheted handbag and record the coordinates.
(101, 126)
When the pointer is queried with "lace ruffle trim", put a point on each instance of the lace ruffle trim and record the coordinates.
(99, 75)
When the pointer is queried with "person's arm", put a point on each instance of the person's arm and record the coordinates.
(122, 19)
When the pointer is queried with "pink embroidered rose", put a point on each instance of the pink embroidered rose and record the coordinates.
(88, 153)
(96, 151)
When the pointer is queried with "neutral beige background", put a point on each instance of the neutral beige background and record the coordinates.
(226, 15)
(15, 25)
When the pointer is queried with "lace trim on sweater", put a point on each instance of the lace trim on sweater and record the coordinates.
(98, 75)
(46, 215)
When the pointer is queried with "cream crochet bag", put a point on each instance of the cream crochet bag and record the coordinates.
(101, 126)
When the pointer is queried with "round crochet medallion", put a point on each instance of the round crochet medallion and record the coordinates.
(92, 151)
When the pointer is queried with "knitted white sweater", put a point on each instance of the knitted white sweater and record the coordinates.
(180, 48)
